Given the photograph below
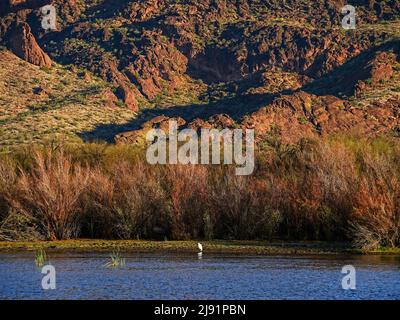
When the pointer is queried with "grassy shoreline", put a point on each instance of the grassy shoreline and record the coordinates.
(217, 246)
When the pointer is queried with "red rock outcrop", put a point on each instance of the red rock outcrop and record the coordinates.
(24, 45)
(8, 6)
(302, 115)
(139, 136)
(127, 95)
(161, 67)
(142, 10)
(378, 70)
(110, 99)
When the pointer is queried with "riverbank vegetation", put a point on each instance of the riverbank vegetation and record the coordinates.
(256, 247)
(336, 189)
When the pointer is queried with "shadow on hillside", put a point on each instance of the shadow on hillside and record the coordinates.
(236, 108)
(342, 80)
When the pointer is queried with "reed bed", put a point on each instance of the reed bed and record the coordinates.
(333, 189)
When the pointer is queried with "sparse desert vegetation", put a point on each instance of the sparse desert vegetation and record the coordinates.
(45, 103)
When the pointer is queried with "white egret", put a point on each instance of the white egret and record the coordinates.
(200, 246)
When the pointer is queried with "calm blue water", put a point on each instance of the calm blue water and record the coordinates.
(171, 276)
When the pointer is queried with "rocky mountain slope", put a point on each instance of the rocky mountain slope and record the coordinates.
(38, 104)
(285, 68)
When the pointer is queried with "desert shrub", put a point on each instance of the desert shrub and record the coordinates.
(376, 217)
(99, 206)
(126, 203)
(189, 193)
(91, 154)
(144, 207)
(242, 207)
(50, 194)
(17, 226)
(13, 225)
(7, 181)
(312, 186)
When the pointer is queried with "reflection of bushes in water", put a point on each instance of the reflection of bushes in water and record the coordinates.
(336, 189)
